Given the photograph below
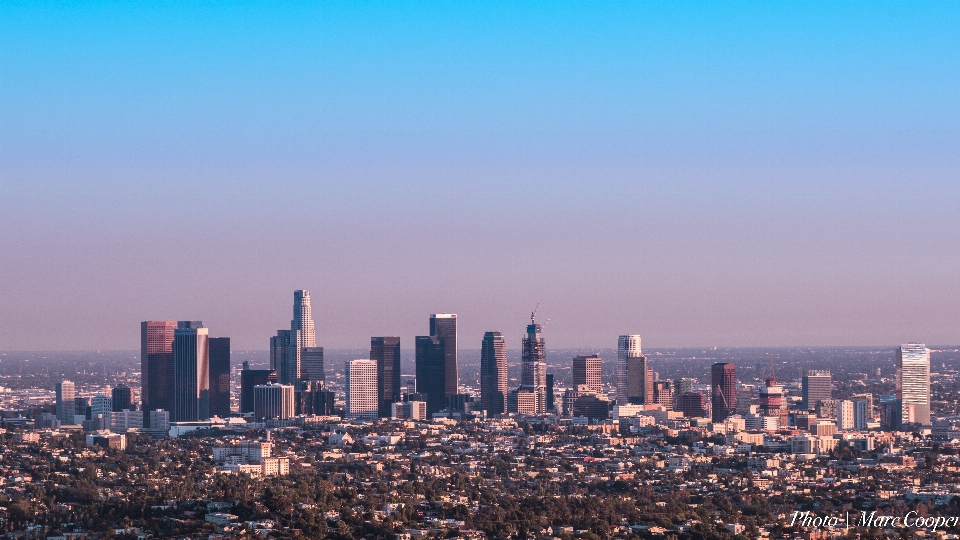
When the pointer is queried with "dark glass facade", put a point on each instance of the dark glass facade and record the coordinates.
(250, 378)
(723, 390)
(156, 366)
(385, 351)
(493, 373)
(431, 372)
(220, 377)
(444, 326)
(123, 398)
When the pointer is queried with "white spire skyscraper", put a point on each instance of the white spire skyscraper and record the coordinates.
(628, 346)
(303, 319)
(287, 348)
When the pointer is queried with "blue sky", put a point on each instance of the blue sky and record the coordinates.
(730, 173)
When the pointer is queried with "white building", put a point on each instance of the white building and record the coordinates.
(361, 389)
(66, 406)
(913, 388)
(126, 419)
(845, 420)
(101, 405)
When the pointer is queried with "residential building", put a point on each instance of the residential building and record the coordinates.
(913, 383)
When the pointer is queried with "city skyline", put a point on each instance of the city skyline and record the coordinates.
(724, 175)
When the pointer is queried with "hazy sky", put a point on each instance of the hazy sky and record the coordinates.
(724, 173)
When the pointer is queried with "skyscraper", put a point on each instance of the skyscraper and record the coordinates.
(66, 407)
(723, 390)
(628, 346)
(816, 385)
(311, 364)
(220, 377)
(587, 370)
(444, 325)
(303, 319)
(493, 373)
(122, 397)
(285, 356)
(533, 367)
(249, 379)
(913, 383)
(156, 366)
(385, 351)
(361, 389)
(191, 372)
(431, 369)
(288, 347)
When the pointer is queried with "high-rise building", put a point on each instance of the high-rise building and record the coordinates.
(817, 385)
(431, 371)
(289, 347)
(191, 372)
(66, 407)
(101, 407)
(311, 364)
(361, 399)
(868, 398)
(628, 346)
(692, 405)
(385, 351)
(682, 386)
(220, 377)
(723, 387)
(444, 326)
(551, 396)
(493, 373)
(587, 370)
(273, 401)
(303, 319)
(845, 415)
(772, 402)
(861, 413)
(913, 383)
(123, 398)
(156, 366)
(533, 366)
(249, 379)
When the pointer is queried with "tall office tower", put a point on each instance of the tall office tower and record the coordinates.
(533, 367)
(66, 407)
(845, 415)
(444, 326)
(362, 389)
(285, 356)
(303, 319)
(551, 397)
(191, 372)
(723, 387)
(913, 383)
(123, 398)
(431, 370)
(220, 377)
(156, 366)
(817, 385)
(628, 346)
(311, 364)
(639, 381)
(249, 379)
(861, 413)
(493, 373)
(385, 351)
(273, 401)
(587, 370)
(868, 398)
